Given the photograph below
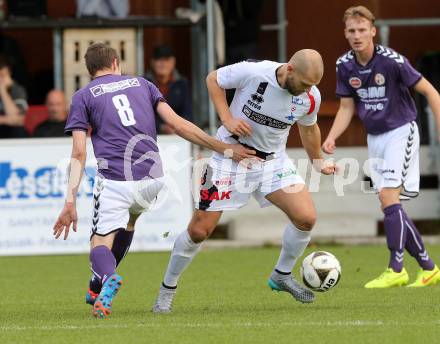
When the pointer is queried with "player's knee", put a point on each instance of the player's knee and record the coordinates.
(388, 198)
(306, 222)
(199, 232)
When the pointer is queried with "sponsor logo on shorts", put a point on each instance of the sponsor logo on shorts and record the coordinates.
(386, 171)
(289, 172)
(206, 195)
(392, 179)
(223, 182)
(355, 82)
(379, 79)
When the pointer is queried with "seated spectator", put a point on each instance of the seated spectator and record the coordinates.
(172, 85)
(13, 104)
(57, 115)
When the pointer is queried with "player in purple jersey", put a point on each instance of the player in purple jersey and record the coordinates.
(121, 111)
(375, 82)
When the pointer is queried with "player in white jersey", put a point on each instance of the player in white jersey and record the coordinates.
(269, 98)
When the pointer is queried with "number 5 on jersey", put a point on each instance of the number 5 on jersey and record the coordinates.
(125, 112)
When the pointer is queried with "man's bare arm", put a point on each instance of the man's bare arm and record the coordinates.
(194, 134)
(218, 97)
(343, 118)
(311, 140)
(425, 87)
(68, 215)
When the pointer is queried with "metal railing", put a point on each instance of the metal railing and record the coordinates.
(385, 24)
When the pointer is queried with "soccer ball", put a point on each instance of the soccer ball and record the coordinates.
(320, 271)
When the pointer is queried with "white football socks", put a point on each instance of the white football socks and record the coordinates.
(183, 252)
(295, 242)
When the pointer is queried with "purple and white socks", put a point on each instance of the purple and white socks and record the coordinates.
(102, 262)
(401, 234)
(415, 247)
(121, 245)
(395, 231)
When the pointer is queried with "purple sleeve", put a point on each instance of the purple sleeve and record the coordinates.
(342, 87)
(78, 118)
(408, 74)
(155, 94)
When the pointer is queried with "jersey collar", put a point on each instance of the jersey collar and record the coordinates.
(369, 62)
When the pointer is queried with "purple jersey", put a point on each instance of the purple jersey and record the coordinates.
(380, 89)
(121, 112)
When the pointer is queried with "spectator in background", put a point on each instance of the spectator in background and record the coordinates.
(57, 116)
(171, 84)
(17, 65)
(13, 104)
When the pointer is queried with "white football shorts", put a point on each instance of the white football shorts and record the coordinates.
(394, 159)
(227, 185)
(114, 201)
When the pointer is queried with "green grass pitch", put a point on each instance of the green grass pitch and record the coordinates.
(222, 298)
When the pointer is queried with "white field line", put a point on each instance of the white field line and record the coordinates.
(337, 323)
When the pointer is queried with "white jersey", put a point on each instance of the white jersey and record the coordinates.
(269, 109)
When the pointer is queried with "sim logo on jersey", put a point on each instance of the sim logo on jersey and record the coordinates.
(371, 92)
(41, 183)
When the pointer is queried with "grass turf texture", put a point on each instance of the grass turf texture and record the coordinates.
(222, 298)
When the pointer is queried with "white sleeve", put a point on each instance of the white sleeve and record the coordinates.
(235, 75)
(314, 103)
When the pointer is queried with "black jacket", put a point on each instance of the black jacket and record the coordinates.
(178, 97)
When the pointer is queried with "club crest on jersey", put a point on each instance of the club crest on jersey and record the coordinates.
(355, 82)
(379, 79)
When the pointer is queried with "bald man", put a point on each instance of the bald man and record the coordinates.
(270, 97)
(57, 116)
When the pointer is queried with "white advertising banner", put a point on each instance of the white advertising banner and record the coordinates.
(32, 187)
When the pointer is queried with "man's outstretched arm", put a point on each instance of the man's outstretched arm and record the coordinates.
(194, 134)
(68, 215)
(425, 87)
